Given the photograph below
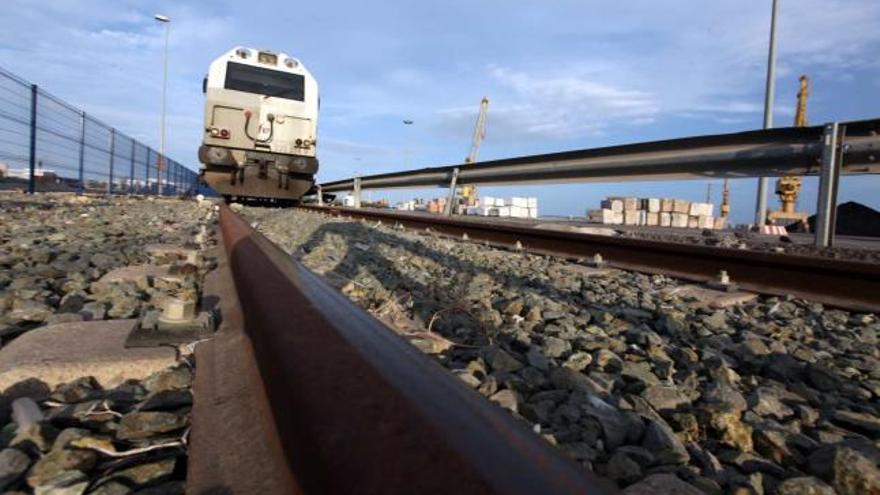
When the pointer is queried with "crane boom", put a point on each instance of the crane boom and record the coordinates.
(469, 192)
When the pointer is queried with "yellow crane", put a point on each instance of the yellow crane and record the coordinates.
(788, 187)
(469, 192)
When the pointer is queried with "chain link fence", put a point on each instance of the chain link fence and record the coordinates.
(48, 145)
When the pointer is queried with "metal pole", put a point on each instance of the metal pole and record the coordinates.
(769, 95)
(131, 172)
(448, 209)
(82, 153)
(829, 178)
(33, 141)
(163, 159)
(147, 173)
(112, 158)
(320, 197)
(357, 192)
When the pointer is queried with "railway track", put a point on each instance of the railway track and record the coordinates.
(302, 391)
(845, 284)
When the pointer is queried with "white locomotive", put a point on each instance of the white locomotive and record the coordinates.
(261, 117)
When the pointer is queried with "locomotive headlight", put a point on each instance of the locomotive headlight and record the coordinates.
(307, 143)
(291, 63)
(243, 52)
(215, 132)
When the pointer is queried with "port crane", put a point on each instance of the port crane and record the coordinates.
(789, 186)
(469, 192)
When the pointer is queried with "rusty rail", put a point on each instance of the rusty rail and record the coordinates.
(353, 407)
(845, 284)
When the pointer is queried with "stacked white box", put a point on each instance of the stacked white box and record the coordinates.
(533, 212)
(666, 205)
(652, 219)
(665, 219)
(679, 220)
(681, 206)
(612, 204)
(643, 217)
(518, 211)
(692, 222)
(653, 205)
(705, 222)
(630, 204)
(720, 223)
(533, 203)
(630, 217)
(503, 211)
(519, 202)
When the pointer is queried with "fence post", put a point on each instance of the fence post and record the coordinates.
(147, 173)
(82, 153)
(33, 142)
(112, 158)
(131, 172)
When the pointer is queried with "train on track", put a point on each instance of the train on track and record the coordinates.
(260, 132)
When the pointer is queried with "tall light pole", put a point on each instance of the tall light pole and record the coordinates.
(406, 150)
(769, 95)
(160, 166)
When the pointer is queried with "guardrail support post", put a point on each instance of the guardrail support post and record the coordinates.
(320, 197)
(112, 158)
(33, 141)
(829, 179)
(357, 192)
(453, 184)
(82, 154)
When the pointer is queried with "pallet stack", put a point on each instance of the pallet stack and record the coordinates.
(505, 207)
(656, 212)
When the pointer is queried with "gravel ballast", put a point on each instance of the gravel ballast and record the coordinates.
(633, 381)
(66, 258)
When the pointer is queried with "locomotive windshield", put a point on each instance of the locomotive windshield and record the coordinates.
(262, 81)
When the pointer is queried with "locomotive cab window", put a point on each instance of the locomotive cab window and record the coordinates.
(262, 81)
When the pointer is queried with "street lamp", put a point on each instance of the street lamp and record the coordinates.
(160, 166)
(769, 94)
(406, 150)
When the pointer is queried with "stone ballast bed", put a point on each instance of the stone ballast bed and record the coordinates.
(629, 378)
(66, 259)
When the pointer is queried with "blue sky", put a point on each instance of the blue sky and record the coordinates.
(560, 75)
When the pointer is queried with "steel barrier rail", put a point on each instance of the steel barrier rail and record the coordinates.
(357, 409)
(846, 284)
(770, 152)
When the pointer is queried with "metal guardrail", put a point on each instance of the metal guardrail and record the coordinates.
(827, 151)
(852, 285)
(50, 145)
(351, 406)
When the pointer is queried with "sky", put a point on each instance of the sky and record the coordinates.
(560, 75)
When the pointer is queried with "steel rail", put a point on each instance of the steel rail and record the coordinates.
(770, 152)
(850, 285)
(357, 409)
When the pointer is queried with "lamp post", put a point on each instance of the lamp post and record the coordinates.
(769, 94)
(406, 150)
(160, 165)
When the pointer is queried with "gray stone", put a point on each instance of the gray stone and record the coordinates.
(146, 474)
(138, 425)
(855, 474)
(508, 399)
(804, 485)
(13, 464)
(615, 425)
(665, 397)
(864, 423)
(29, 311)
(177, 378)
(658, 484)
(501, 360)
(536, 359)
(662, 441)
(623, 469)
(578, 361)
(555, 347)
(765, 401)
